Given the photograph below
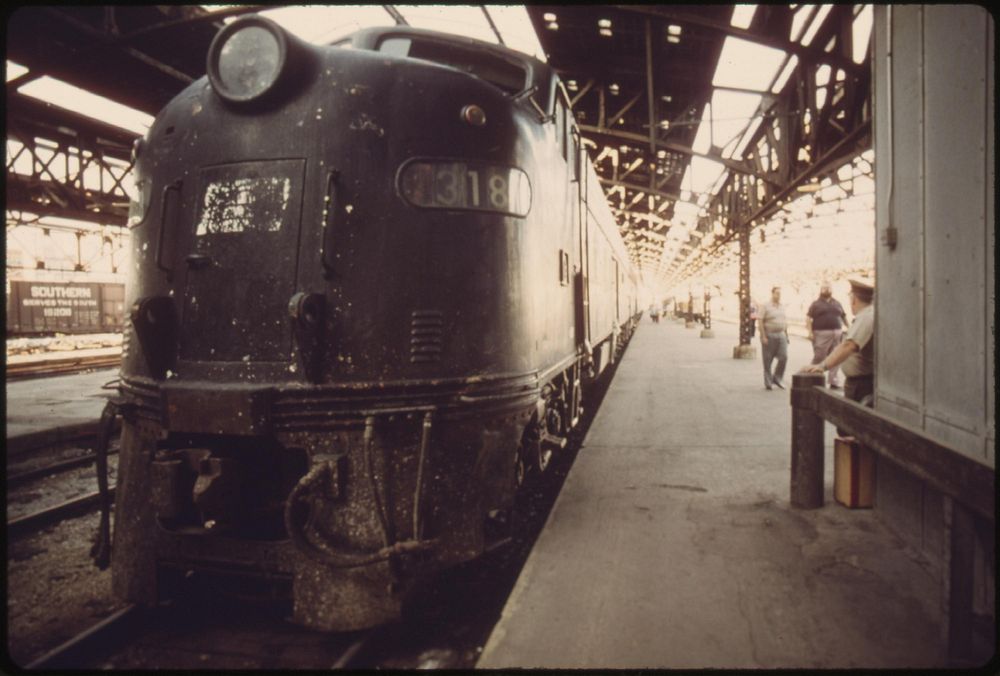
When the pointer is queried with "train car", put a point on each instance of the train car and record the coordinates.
(45, 305)
(371, 281)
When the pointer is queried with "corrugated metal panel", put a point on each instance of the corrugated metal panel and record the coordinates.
(935, 184)
(989, 337)
(954, 189)
(900, 283)
(64, 307)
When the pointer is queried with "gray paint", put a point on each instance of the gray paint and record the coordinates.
(934, 183)
(934, 147)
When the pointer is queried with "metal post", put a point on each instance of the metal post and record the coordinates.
(807, 446)
(707, 316)
(744, 350)
(79, 252)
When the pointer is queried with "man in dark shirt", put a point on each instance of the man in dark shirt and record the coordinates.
(824, 321)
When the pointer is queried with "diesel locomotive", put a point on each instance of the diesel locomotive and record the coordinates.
(370, 281)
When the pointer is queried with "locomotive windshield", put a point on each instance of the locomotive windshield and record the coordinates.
(509, 76)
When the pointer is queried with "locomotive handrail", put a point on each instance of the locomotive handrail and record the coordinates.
(332, 180)
(322, 551)
(175, 186)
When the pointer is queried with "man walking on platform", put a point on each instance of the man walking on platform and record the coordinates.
(774, 339)
(857, 352)
(824, 321)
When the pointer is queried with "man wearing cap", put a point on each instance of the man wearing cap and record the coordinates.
(774, 338)
(856, 354)
(824, 321)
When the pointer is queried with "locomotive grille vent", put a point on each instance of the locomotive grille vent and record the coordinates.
(426, 336)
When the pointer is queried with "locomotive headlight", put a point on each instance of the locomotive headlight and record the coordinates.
(247, 59)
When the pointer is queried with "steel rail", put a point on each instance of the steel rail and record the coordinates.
(38, 520)
(115, 628)
(18, 478)
(60, 366)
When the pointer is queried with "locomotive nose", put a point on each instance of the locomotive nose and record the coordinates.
(253, 60)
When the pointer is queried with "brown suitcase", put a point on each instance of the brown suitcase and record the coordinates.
(853, 473)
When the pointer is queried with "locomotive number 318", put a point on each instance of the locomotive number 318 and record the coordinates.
(461, 185)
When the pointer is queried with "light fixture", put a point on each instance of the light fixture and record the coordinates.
(252, 57)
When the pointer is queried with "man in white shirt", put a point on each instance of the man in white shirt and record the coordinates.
(774, 339)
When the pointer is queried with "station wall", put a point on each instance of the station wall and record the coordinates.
(935, 300)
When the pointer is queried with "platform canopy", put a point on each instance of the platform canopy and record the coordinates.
(704, 119)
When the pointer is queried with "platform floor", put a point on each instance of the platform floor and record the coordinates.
(47, 410)
(673, 544)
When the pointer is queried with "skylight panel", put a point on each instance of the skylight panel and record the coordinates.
(467, 20)
(322, 24)
(746, 65)
(747, 137)
(862, 30)
(685, 217)
(15, 70)
(786, 73)
(799, 22)
(731, 114)
(702, 174)
(702, 139)
(78, 100)
(743, 16)
(318, 24)
(514, 24)
(816, 24)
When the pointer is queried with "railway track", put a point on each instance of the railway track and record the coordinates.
(21, 370)
(132, 634)
(52, 471)
(18, 478)
(445, 627)
(86, 646)
(36, 521)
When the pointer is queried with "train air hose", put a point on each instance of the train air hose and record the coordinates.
(101, 550)
(313, 544)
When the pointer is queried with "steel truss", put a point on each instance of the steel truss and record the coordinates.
(818, 121)
(60, 163)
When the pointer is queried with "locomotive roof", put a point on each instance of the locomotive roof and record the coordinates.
(538, 74)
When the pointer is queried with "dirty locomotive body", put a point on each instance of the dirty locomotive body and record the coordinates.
(369, 281)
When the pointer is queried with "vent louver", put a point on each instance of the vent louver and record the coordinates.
(426, 336)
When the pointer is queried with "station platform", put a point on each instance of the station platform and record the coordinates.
(43, 411)
(673, 544)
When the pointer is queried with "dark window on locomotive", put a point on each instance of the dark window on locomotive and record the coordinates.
(560, 121)
(508, 76)
(577, 158)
